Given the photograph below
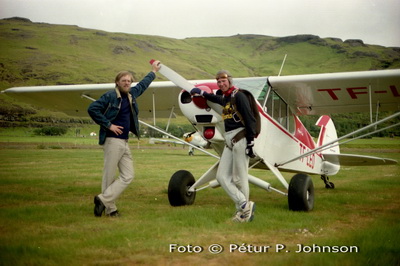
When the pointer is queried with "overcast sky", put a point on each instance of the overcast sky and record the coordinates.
(373, 21)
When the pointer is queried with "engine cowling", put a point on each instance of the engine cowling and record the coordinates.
(205, 116)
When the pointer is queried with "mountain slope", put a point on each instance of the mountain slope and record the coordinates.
(40, 54)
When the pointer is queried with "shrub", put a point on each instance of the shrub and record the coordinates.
(50, 131)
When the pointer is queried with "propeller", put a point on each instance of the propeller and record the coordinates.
(182, 83)
(177, 79)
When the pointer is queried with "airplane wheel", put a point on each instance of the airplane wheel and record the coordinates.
(330, 185)
(178, 186)
(301, 193)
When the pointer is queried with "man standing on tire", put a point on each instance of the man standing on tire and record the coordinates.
(117, 114)
(240, 131)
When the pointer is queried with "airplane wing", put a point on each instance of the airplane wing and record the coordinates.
(305, 94)
(357, 160)
(161, 96)
(318, 94)
(75, 99)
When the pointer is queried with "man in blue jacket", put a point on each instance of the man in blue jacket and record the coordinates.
(117, 114)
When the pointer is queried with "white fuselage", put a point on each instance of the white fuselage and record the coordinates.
(275, 144)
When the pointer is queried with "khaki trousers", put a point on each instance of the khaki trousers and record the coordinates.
(117, 155)
(232, 173)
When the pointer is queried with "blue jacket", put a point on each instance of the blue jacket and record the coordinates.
(106, 108)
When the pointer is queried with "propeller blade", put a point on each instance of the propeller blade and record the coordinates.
(177, 79)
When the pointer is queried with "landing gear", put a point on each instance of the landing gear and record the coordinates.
(191, 151)
(178, 188)
(328, 185)
(301, 193)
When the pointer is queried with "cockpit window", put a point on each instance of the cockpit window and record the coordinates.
(277, 108)
(257, 87)
(270, 101)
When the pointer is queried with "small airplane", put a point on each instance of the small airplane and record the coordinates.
(193, 138)
(196, 139)
(283, 145)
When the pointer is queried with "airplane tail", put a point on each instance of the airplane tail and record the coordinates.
(327, 134)
(333, 159)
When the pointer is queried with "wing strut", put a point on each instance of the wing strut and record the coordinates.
(283, 63)
(154, 109)
(365, 135)
(370, 103)
(88, 97)
(170, 116)
(178, 139)
(325, 146)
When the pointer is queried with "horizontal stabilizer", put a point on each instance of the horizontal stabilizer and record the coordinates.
(357, 160)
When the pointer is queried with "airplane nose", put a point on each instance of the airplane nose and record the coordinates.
(200, 101)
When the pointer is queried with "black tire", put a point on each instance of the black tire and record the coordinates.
(178, 194)
(301, 193)
(330, 185)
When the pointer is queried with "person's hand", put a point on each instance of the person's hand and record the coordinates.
(116, 129)
(249, 149)
(196, 91)
(156, 66)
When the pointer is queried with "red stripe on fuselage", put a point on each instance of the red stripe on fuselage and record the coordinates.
(270, 119)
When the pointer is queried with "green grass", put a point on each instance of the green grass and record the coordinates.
(46, 212)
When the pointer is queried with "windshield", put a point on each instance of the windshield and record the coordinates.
(270, 101)
(257, 86)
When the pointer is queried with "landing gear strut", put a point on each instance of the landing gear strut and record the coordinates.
(328, 185)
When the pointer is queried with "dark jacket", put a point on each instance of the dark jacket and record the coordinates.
(105, 110)
(231, 119)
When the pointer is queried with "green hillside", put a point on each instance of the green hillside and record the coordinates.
(45, 54)
(40, 54)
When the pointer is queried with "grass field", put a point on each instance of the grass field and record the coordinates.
(46, 211)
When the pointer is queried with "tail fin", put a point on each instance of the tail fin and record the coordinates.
(327, 134)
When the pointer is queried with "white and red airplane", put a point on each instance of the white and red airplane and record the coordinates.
(284, 144)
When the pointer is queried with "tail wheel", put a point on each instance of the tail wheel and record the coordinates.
(178, 189)
(301, 193)
(328, 185)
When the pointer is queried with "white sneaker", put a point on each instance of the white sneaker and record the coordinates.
(248, 211)
(237, 218)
